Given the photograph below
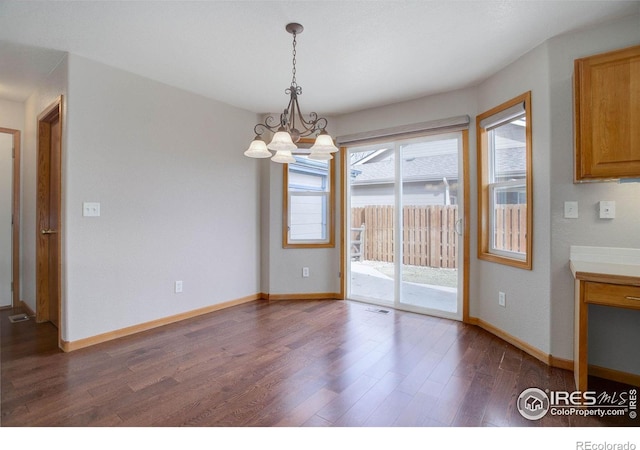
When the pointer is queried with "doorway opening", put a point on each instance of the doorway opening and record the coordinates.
(406, 228)
(10, 213)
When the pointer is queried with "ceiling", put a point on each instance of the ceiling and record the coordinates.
(351, 55)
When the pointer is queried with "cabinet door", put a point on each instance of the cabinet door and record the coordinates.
(607, 115)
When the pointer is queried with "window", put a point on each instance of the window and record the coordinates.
(505, 218)
(308, 203)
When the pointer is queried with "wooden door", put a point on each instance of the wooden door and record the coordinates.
(48, 261)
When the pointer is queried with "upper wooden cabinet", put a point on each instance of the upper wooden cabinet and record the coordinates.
(607, 115)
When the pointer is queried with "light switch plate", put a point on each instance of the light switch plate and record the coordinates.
(570, 210)
(91, 209)
(607, 210)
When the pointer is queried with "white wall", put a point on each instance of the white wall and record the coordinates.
(614, 333)
(283, 266)
(450, 104)
(266, 227)
(179, 201)
(11, 114)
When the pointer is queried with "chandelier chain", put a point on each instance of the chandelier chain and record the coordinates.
(293, 71)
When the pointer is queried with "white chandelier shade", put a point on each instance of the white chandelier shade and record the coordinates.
(258, 149)
(324, 143)
(282, 141)
(283, 156)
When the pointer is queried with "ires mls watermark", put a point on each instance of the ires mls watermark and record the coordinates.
(534, 403)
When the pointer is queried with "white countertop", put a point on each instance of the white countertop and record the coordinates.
(606, 265)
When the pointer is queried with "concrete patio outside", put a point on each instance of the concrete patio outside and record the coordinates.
(368, 283)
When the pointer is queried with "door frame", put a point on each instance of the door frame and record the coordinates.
(49, 115)
(15, 217)
(344, 254)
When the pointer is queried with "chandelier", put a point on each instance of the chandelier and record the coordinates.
(292, 125)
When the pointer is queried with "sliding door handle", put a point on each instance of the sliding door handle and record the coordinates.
(458, 227)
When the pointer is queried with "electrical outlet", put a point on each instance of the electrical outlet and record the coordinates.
(570, 210)
(178, 287)
(305, 272)
(607, 210)
(502, 299)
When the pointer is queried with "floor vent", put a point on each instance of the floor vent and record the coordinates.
(378, 311)
(18, 318)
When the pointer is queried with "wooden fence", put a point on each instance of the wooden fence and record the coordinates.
(511, 228)
(429, 236)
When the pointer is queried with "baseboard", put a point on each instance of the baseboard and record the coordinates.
(69, 346)
(554, 361)
(525, 347)
(599, 371)
(111, 335)
(561, 363)
(30, 312)
(307, 296)
(615, 375)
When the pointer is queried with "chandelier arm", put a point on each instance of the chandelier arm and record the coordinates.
(313, 125)
(266, 126)
(320, 122)
(287, 118)
(295, 118)
(308, 127)
(271, 123)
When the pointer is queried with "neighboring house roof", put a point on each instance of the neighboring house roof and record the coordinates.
(433, 168)
(511, 161)
(377, 167)
(510, 152)
(417, 169)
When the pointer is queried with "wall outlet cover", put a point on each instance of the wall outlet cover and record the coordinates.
(570, 210)
(607, 209)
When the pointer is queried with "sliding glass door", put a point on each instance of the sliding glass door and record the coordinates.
(371, 194)
(405, 200)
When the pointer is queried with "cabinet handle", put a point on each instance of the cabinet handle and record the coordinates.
(628, 297)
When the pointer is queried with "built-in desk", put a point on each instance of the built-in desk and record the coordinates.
(602, 283)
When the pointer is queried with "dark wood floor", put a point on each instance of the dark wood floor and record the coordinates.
(285, 363)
